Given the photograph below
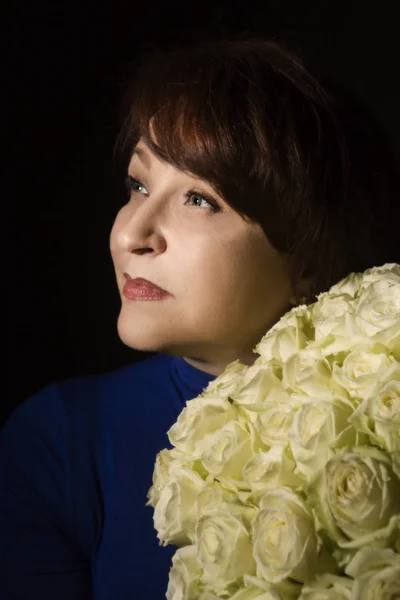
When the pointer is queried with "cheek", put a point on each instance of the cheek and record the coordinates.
(220, 280)
(242, 280)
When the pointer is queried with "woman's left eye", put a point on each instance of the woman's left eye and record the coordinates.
(191, 194)
(131, 185)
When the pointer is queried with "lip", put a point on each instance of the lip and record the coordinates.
(144, 283)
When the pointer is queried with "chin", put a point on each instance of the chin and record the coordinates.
(140, 335)
(136, 338)
(152, 332)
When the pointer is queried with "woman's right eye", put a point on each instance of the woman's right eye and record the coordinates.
(131, 185)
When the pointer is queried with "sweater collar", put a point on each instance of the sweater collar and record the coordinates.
(191, 381)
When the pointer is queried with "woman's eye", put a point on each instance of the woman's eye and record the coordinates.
(131, 185)
(192, 194)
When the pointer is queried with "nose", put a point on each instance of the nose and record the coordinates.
(142, 231)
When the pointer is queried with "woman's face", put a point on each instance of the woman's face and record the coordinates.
(228, 285)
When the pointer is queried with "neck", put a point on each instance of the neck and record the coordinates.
(217, 368)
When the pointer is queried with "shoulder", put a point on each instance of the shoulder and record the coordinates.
(51, 411)
(59, 443)
(128, 377)
(50, 402)
(34, 462)
(101, 397)
(45, 418)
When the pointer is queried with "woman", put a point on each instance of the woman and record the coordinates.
(247, 195)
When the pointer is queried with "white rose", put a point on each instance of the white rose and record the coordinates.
(184, 575)
(378, 315)
(330, 315)
(376, 574)
(256, 385)
(387, 272)
(226, 383)
(378, 307)
(200, 417)
(285, 590)
(255, 593)
(213, 495)
(287, 336)
(268, 391)
(327, 587)
(319, 428)
(309, 373)
(175, 513)
(274, 420)
(360, 372)
(359, 313)
(379, 414)
(390, 339)
(284, 539)
(335, 325)
(225, 452)
(349, 285)
(354, 283)
(356, 498)
(271, 469)
(166, 460)
(223, 548)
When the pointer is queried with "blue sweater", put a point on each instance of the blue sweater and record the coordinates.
(76, 462)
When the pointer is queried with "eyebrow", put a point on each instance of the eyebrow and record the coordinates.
(143, 156)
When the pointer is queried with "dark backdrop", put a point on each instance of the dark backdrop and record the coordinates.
(65, 66)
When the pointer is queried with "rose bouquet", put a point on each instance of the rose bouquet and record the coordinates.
(284, 477)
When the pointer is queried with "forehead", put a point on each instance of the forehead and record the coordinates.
(143, 153)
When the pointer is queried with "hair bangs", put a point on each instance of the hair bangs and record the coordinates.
(202, 123)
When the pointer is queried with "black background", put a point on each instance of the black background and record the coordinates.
(65, 68)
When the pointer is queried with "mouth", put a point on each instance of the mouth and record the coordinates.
(140, 282)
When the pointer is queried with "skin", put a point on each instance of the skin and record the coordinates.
(228, 285)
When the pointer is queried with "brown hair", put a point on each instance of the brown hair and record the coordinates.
(247, 116)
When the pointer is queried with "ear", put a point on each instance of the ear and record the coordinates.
(301, 291)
